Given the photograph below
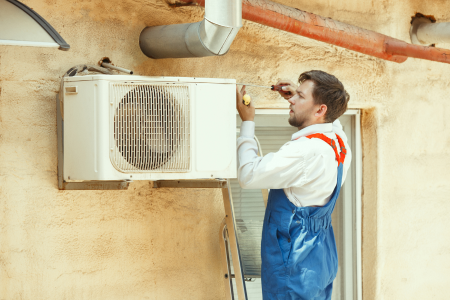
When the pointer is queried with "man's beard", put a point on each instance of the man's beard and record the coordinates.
(297, 121)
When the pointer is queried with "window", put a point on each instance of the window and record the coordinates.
(272, 131)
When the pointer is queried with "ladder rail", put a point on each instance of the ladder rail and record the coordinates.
(226, 261)
(235, 254)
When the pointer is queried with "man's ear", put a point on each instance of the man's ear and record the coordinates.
(321, 111)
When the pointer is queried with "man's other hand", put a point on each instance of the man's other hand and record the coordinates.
(247, 113)
(288, 86)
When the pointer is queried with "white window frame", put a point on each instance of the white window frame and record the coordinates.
(357, 160)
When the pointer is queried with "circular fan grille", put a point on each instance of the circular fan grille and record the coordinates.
(148, 127)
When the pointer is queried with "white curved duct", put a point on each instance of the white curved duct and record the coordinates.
(211, 36)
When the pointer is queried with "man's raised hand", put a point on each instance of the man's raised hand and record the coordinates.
(247, 113)
(288, 86)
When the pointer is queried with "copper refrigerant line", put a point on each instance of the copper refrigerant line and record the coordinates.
(333, 32)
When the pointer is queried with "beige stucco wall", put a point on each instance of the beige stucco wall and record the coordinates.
(163, 244)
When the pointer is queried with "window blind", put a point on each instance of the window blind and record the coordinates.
(249, 204)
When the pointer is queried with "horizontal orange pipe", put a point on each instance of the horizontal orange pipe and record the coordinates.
(318, 28)
(334, 32)
(419, 52)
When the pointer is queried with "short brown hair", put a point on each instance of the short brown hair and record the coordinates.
(328, 90)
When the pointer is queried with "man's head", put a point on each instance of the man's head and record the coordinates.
(320, 98)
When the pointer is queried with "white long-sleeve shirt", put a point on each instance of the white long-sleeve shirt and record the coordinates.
(306, 169)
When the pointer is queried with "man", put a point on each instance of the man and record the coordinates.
(298, 250)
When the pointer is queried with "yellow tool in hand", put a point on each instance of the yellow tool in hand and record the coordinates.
(246, 99)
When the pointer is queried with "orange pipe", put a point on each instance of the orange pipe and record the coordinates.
(420, 52)
(318, 28)
(334, 32)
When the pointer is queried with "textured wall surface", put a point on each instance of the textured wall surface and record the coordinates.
(163, 244)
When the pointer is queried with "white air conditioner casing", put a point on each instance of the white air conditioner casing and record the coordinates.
(148, 128)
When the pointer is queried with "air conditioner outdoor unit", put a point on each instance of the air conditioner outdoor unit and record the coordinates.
(148, 128)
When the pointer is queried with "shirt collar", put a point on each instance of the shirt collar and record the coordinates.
(313, 129)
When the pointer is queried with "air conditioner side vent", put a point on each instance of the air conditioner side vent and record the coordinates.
(150, 127)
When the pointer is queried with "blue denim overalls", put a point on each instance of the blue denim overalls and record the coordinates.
(298, 250)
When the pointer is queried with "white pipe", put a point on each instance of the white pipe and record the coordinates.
(424, 32)
(212, 36)
(433, 33)
(29, 43)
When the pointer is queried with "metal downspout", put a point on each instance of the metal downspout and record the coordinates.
(212, 36)
(327, 30)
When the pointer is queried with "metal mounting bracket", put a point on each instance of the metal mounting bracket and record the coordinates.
(216, 183)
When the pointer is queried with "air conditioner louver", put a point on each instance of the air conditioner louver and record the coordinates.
(151, 127)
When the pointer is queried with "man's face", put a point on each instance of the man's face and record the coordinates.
(302, 106)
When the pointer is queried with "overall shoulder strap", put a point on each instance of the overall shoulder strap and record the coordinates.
(343, 151)
(329, 207)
